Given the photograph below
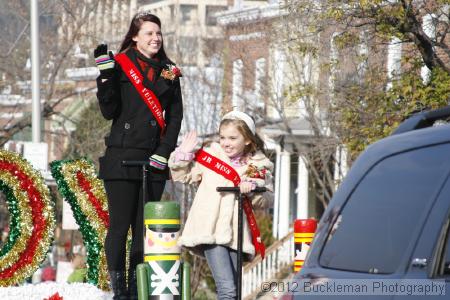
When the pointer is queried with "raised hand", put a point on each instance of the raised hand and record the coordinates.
(104, 59)
(189, 142)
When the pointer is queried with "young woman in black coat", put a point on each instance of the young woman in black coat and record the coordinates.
(139, 131)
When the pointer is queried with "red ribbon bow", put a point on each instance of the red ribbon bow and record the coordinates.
(55, 296)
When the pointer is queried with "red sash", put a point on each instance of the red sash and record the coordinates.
(222, 168)
(147, 95)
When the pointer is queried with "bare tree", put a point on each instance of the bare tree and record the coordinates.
(201, 88)
(332, 65)
(58, 36)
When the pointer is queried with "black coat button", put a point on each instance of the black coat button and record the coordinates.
(153, 122)
(127, 126)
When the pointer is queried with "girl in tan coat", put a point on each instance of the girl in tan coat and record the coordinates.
(211, 226)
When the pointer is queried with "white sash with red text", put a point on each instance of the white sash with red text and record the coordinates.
(222, 168)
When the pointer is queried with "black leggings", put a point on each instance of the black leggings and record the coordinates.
(125, 210)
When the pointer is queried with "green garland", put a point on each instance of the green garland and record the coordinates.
(14, 214)
(89, 224)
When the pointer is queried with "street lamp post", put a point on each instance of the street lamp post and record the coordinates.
(35, 77)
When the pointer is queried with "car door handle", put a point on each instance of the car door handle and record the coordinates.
(419, 262)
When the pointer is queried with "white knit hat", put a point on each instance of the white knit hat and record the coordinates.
(239, 115)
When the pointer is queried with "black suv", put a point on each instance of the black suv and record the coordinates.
(388, 223)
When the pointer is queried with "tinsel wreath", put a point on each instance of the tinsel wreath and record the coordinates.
(78, 183)
(32, 219)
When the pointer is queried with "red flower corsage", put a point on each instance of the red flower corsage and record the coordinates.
(172, 72)
(254, 172)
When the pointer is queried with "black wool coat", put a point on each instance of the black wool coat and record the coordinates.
(135, 134)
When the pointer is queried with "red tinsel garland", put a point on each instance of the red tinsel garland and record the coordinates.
(86, 186)
(36, 204)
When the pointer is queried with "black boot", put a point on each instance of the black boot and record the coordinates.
(132, 285)
(118, 285)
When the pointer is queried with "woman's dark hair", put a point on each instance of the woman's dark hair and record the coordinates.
(135, 26)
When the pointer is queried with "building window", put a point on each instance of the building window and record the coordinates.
(145, 2)
(279, 76)
(394, 60)
(210, 18)
(363, 53)
(188, 43)
(188, 13)
(188, 47)
(260, 76)
(429, 27)
(236, 100)
(172, 11)
(169, 44)
(334, 55)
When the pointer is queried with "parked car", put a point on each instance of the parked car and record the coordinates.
(388, 223)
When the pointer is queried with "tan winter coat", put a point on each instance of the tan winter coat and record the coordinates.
(212, 218)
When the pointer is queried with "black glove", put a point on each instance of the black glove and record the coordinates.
(104, 59)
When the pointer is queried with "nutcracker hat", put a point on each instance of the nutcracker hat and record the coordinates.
(162, 216)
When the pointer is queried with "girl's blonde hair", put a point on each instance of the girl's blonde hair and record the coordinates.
(256, 143)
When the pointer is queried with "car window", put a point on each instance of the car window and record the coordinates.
(446, 270)
(443, 263)
(383, 214)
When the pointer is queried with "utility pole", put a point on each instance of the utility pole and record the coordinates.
(36, 151)
(35, 76)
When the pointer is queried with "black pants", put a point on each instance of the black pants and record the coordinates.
(125, 210)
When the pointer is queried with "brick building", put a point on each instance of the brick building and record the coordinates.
(261, 64)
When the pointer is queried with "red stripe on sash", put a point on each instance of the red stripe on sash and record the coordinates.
(228, 172)
(146, 94)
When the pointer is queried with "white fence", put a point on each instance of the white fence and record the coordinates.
(279, 256)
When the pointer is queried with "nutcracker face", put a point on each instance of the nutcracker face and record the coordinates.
(301, 250)
(162, 254)
(161, 242)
